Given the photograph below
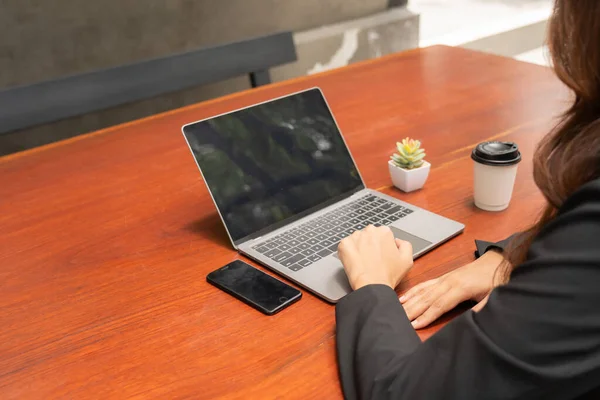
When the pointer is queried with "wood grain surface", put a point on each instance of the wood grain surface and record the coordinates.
(106, 239)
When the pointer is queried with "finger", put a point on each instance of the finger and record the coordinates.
(386, 232)
(343, 248)
(416, 289)
(425, 298)
(481, 304)
(416, 306)
(399, 243)
(404, 247)
(439, 307)
(369, 228)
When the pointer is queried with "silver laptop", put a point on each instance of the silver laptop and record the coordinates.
(288, 190)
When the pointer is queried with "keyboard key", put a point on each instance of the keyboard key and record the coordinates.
(386, 206)
(311, 234)
(279, 242)
(369, 214)
(386, 222)
(317, 247)
(321, 229)
(262, 249)
(282, 256)
(321, 237)
(355, 221)
(324, 253)
(326, 243)
(393, 218)
(307, 252)
(270, 245)
(363, 218)
(314, 257)
(408, 211)
(296, 267)
(400, 215)
(393, 210)
(346, 225)
(284, 247)
(295, 250)
(328, 226)
(344, 234)
(303, 246)
(352, 214)
(360, 226)
(334, 247)
(294, 242)
(363, 202)
(292, 260)
(312, 241)
(374, 220)
(371, 198)
(338, 229)
(302, 238)
(272, 253)
(351, 231)
(304, 262)
(359, 212)
(381, 201)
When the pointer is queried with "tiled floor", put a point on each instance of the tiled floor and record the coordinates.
(487, 22)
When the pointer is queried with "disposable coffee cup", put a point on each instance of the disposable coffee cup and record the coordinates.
(495, 172)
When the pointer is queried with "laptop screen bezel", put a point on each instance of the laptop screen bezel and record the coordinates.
(293, 218)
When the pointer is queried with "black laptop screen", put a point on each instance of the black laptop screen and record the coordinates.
(268, 163)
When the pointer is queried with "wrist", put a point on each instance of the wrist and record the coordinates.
(363, 281)
(491, 259)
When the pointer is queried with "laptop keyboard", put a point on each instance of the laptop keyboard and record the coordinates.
(308, 243)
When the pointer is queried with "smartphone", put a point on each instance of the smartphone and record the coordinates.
(254, 287)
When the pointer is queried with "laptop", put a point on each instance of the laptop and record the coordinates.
(288, 191)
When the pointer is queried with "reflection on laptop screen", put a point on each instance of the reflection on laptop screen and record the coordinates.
(272, 161)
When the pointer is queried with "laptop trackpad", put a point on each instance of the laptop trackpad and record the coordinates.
(418, 244)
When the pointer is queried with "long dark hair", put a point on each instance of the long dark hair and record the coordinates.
(569, 156)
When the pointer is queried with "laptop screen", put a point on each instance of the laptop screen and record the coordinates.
(269, 163)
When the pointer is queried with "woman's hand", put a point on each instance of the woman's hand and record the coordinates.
(429, 300)
(374, 256)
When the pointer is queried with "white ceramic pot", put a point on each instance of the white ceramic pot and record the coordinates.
(409, 180)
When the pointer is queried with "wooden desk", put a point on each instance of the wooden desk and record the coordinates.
(106, 239)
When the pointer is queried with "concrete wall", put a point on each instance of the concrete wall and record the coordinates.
(42, 39)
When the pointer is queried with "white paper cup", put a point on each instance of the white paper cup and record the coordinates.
(495, 170)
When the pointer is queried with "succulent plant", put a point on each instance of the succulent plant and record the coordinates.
(410, 154)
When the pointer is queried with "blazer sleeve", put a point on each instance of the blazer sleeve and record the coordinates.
(537, 337)
(482, 246)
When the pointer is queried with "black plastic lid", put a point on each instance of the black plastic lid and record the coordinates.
(496, 153)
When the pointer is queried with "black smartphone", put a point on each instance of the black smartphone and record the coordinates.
(254, 287)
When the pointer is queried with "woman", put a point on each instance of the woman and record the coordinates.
(538, 335)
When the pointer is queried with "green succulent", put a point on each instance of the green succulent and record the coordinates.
(410, 154)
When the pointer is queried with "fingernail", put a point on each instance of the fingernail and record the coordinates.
(402, 299)
(415, 323)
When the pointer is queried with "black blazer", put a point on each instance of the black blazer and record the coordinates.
(538, 337)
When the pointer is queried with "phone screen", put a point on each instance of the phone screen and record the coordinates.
(254, 287)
